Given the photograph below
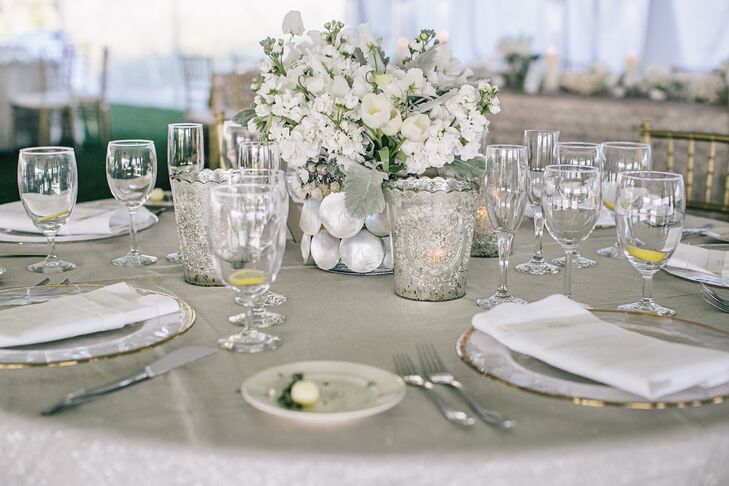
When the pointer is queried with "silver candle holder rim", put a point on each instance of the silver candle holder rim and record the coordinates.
(430, 184)
(204, 176)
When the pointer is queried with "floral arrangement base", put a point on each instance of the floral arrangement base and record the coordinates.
(343, 269)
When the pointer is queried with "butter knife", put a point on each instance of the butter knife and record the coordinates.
(175, 359)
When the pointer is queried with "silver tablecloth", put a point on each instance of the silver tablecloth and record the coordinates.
(192, 426)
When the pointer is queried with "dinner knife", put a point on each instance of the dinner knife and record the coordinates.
(175, 359)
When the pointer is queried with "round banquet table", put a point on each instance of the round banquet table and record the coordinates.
(191, 426)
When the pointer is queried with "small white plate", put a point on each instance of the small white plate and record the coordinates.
(347, 390)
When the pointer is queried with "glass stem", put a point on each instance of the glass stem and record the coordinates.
(568, 256)
(538, 234)
(245, 323)
(647, 288)
(133, 230)
(51, 237)
(504, 243)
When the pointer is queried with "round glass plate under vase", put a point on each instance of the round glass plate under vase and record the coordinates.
(491, 358)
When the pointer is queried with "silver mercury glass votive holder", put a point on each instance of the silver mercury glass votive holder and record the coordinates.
(484, 238)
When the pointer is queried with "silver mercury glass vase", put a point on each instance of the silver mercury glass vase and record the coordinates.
(432, 223)
(484, 238)
(190, 191)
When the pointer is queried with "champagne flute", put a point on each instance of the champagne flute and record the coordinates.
(185, 152)
(578, 153)
(131, 171)
(505, 186)
(540, 145)
(243, 226)
(258, 154)
(48, 184)
(620, 157)
(649, 211)
(571, 203)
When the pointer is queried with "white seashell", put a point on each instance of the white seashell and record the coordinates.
(325, 250)
(336, 219)
(309, 221)
(306, 249)
(387, 261)
(378, 224)
(363, 252)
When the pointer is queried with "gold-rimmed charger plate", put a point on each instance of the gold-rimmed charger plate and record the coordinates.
(132, 338)
(491, 358)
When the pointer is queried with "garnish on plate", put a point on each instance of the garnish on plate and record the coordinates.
(299, 394)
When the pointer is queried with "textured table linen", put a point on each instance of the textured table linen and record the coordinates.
(192, 427)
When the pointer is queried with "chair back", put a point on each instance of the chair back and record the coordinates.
(197, 74)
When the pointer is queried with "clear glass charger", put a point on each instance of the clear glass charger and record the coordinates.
(131, 338)
(343, 269)
(489, 357)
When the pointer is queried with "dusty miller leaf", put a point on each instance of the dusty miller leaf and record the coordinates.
(464, 169)
(243, 116)
(363, 194)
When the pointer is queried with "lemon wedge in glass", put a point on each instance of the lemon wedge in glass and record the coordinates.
(53, 216)
(649, 256)
(247, 277)
(609, 205)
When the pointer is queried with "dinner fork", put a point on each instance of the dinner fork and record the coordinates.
(713, 298)
(435, 370)
(405, 367)
(43, 282)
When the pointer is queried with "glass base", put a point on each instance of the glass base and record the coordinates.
(498, 299)
(175, 257)
(580, 262)
(613, 251)
(250, 342)
(50, 265)
(134, 260)
(261, 318)
(272, 298)
(537, 267)
(648, 306)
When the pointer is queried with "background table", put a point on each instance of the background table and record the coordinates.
(192, 426)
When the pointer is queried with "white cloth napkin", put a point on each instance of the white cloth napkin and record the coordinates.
(84, 220)
(712, 262)
(107, 308)
(562, 333)
(604, 220)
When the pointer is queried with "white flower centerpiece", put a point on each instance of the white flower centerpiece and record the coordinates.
(347, 119)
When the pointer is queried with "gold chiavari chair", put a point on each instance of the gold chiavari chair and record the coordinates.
(705, 167)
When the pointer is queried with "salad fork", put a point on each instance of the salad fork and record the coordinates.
(435, 370)
(713, 298)
(405, 367)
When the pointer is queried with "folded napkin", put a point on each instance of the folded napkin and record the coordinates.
(562, 333)
(712, 262)
(606, 219)
(104, 309)
(85, 220)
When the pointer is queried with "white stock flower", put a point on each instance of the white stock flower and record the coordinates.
(340, 87)
(393, 126)
(265, 66)
(376, 110)
(415, 128)
(292, 23)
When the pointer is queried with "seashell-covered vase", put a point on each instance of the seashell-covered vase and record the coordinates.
(432, 223)
(190, 191)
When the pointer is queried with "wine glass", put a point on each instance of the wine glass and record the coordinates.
(578, 153)
(185, 152)
(276, 179)
(131, 171)
(620, 157)
(649, 211)
(571, 204)
(243, 226)
(258, 154)
(48, 184)
(540, 145)
(505, 188)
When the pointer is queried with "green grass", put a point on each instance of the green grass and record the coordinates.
(127, 122)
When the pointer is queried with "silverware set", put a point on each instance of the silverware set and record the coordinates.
(435, 373)
(713, 298)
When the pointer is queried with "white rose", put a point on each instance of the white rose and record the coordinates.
(292, 23)
(393, 126)
(376, 110)
(415, 128)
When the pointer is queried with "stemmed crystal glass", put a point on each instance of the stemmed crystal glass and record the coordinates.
(540, 145)
(649, 208)
(257, 154)
(185, 152)
(48, 184)
(578, 153)
(131, 171)
(505, 186)
(571, 203)
(620, 157)
(243, 232)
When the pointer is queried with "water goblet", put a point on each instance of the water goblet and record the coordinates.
(185, 152)
(243, 226)
(505, 188)
(620, 157)
(131, 171)
(578, 153)
(48, 184)
(571, 203)
(540, 145)
(649, 212)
